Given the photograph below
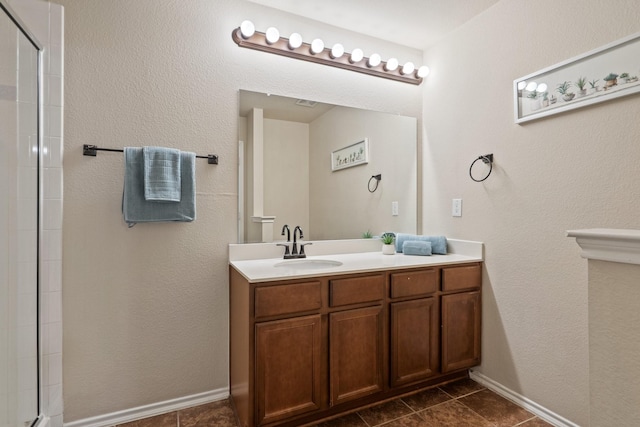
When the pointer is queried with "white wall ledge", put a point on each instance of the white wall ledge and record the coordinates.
(609, 244)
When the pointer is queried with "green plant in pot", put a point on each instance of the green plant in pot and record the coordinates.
(581, 84)
(625, 77)
(388, 246)
(594, 85)
(611, 80)
(563, 89)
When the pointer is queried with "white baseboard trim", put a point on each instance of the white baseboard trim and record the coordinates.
(42, 421)
(528, 404)
(146, 411)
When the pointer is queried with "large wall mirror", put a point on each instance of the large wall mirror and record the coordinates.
(296, 167)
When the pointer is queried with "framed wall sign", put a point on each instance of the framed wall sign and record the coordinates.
(600, 75)
(352, 155)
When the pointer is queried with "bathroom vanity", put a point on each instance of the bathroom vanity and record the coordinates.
(317, 340)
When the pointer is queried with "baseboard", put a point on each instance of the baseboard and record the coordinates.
(42, 421)
(146, 411)
(528, 404)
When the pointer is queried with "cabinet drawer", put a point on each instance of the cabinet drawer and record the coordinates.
(285, 299)
(414, 283)
(459, 278)
(356, 290)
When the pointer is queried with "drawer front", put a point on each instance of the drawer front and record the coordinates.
(356, 290)
(415, 283)
(459, 278)
(285, 299)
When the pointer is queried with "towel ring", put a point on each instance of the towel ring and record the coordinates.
(487, 158)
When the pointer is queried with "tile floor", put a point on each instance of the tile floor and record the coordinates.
(463, 403)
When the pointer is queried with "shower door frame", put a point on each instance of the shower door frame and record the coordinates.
(40, 419)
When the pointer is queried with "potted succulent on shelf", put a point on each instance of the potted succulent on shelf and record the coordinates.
(545, 99)
(581, 84)
(594, 85)
(535, 101)
(611, 80)
(625, 77)
(563, 89)
(388, 246)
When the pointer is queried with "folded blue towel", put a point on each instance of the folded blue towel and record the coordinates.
(416, 247)
(438, 243)
(162, 174)
(136, 209)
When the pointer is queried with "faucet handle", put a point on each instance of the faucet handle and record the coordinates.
(302, 245)
(286, 248)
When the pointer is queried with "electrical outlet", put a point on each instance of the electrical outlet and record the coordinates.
(456, 208)
(394, 208)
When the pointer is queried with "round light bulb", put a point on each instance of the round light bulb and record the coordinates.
(272, 35)
(542, 87)
(337, 51)
(247, 29)
(532, 86)
(317, 46)
(374, 60)
(295, 41)
(356, 55)
(391, 65)
(522, 85)
(423, 71)
(408, 68)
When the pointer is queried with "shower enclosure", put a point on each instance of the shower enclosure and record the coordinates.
(20, 142)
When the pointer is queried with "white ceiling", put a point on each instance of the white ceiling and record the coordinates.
(415, 23)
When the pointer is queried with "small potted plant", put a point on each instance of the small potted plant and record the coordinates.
(632, 79)
(611, 80)
(367, 235)
(388, 246)
(563, 89)
(581, 84)
(625, 77)
(594, 85)
(545, 99)
(535, 102)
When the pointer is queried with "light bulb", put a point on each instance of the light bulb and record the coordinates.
(317, 46)
(356, 55)
(408, 68)
(247, 29)
(295, 41)
(391, 65)
(522, 85)
(542, 87)
(532, 86)
(272, 35)
(374, 60)
(423, 71)
(337, 51)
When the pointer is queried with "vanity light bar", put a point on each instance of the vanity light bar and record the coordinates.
(335, 56)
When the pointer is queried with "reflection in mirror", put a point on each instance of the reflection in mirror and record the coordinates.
(286, 176)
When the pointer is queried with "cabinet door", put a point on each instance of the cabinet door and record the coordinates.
(414, 340)
(288, 367)
(356, 353)
(460, 330)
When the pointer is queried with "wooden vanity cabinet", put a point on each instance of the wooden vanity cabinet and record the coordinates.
(306, 349)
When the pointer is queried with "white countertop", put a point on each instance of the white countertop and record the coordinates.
(264, 270)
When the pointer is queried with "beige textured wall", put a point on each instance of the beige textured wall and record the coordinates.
(570, 171)
(342, 206)
(614, 328)
(286, 175)
(145, 309)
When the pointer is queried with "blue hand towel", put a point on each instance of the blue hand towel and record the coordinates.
(416, 247)
(438, 243)
(136, 209)
(162, 174)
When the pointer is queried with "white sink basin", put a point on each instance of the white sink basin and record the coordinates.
(308, 264)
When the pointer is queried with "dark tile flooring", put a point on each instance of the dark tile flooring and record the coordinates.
(463, 403)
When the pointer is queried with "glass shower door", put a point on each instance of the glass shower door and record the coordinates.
(19, 217)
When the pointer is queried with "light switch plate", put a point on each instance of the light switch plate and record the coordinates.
(394, 208)
(456, 207)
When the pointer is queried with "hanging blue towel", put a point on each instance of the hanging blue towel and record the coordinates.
(162, 181)
(134, 206)
(416, 247)
(438, 243)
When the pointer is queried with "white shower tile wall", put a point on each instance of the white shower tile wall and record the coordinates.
(46, 21)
